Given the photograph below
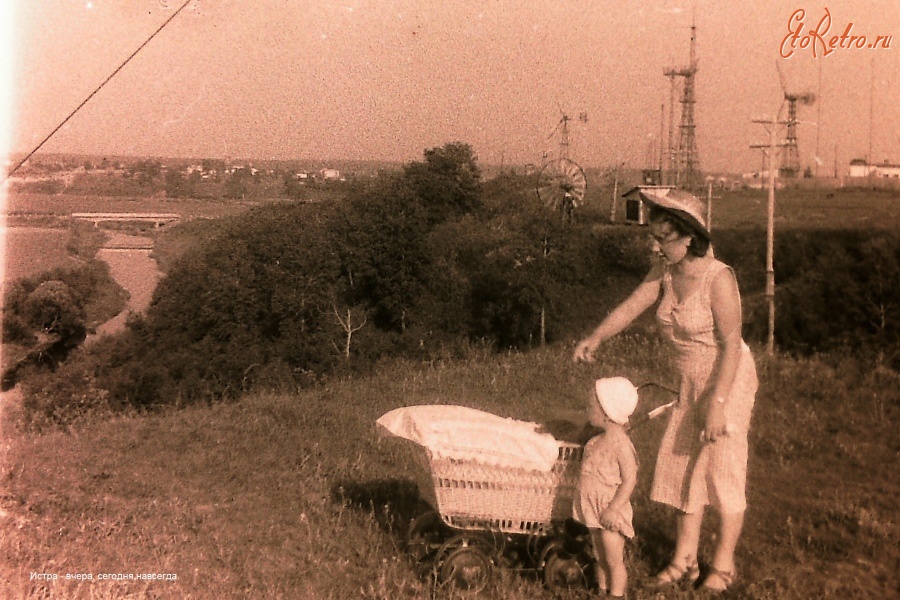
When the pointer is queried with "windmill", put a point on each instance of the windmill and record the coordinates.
(561, 183)
(790, 162)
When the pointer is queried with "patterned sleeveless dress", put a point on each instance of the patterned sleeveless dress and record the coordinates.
(690, 473)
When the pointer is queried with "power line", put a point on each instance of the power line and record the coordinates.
(105, 81)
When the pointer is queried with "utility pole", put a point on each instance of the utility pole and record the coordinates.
(770, 151)
(615, 199)
(818, 124)
(662, 125)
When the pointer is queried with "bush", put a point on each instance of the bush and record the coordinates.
(258, 291)
(51, 307)
(845, 295)
(429, 263)
(61, 398)
(17, 331)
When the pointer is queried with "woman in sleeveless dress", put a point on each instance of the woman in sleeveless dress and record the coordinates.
(702, 460)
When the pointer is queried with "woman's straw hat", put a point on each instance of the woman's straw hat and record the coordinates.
(683, 205)
(618, 398)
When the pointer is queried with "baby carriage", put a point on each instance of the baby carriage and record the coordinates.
(499, 493)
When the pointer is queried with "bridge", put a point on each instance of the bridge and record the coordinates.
(158, 219)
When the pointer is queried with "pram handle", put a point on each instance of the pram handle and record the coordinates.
(644, 418)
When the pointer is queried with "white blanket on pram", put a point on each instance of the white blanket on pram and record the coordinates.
(461, 433)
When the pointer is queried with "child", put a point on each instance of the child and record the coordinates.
(608, 476)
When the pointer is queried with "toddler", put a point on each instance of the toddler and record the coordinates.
(608, 477)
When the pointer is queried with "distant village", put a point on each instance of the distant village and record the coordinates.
(61, 167)
(181, 178)
(55, 173)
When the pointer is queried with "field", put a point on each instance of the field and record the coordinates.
(30, 250)
(292, 494)
(803, 208)
(57, 205)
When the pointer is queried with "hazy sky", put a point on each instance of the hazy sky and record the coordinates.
(385, 79)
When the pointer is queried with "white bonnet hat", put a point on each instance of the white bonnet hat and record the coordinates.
(618, 398)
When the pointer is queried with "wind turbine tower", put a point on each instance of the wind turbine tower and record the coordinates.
(686, 157)
(790, 162)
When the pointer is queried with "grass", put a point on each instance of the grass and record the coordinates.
(292, 495)
(795, 208)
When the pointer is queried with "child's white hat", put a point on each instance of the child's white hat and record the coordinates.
(618, 398)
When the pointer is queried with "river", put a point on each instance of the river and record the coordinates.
(30, 250)
(131, 265)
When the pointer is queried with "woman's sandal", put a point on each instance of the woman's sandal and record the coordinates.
(718, 581)
(673, 574)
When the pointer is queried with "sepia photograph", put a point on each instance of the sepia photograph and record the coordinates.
(443, 299)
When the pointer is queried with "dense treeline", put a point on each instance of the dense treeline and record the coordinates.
(426, 262)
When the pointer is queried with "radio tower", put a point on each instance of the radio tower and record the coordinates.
(685, 157)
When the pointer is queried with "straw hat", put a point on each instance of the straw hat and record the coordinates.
(618, 398)
(686, 206)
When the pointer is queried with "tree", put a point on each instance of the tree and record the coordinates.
(238, 185)
(146, 171)
(177, 186)
(380, 242)
(349, 328)
(448, 182)
(256, 294)
(51, 307)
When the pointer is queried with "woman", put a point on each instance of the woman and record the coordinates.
(702, 458)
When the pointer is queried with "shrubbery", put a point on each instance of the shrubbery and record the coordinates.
(413, 263)
(47, 316)
(427, 262)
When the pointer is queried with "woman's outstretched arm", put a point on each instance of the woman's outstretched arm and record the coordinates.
(642, 298)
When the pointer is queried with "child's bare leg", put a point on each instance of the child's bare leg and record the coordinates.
(614, 549)
(600, 565)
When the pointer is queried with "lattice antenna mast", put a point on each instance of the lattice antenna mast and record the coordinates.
(684, 160)
(689, 159)
(670, 158)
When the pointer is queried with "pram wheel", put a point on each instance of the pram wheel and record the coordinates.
(466, 568)
(564, 565)
(425, 536)
(564, 573)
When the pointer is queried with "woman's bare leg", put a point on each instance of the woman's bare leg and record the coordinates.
(687, 541)
(729, 532)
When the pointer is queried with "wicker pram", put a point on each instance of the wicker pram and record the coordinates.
(475, 496)
(484, 512)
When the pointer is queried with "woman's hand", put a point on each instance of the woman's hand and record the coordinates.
(716, 424)
(584, 351)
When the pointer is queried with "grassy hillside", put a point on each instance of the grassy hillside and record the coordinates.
(795, 208)
(292, 495)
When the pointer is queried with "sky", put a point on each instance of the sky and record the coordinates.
(386, 79)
